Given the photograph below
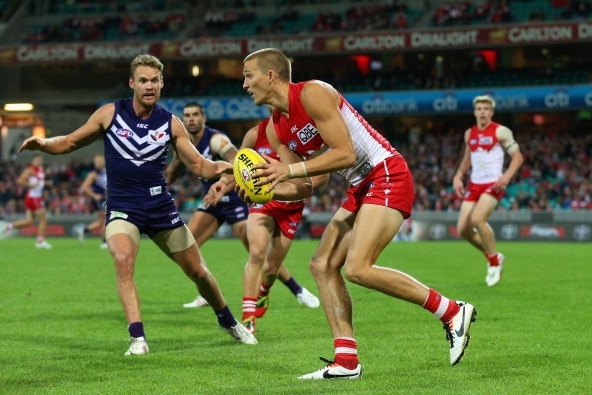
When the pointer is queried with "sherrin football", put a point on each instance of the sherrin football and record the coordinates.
(244, 161)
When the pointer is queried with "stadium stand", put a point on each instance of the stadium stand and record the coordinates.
(67, 21)
(557, 175)
(558, 169)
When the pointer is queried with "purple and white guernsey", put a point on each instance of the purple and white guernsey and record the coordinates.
(135, 156)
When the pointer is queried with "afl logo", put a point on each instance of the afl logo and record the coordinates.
(293, 145)
(246, 175)
(265, 150)
(124, 133)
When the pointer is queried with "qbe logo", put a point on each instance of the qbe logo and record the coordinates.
(307, 133)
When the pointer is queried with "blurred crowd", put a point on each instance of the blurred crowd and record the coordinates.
(465, 12)
(153, 19)
(117, 23)
(62, 193)
(556, 175)
(112, 27)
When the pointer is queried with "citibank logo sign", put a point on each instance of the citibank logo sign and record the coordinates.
(559, 99)
(445, 104)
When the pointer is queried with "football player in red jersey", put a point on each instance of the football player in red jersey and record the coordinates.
(315, 131)
(271, 228)
(486, 144)
(33, 178)
(218, 208)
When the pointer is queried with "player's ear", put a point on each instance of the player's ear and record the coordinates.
(131, 82)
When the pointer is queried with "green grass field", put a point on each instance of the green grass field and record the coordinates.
(62, 330)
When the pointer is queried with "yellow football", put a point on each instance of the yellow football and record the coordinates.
(244, 161)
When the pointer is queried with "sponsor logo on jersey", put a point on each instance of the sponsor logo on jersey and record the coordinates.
(307, 133)
(155, 190)
(485, 140)
(364, 169)
(292, 145)
(117, 214)
(124, 133)
(156, 137)
(265, 151)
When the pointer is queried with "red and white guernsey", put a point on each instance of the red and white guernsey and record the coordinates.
(37, 179)
(262, 145)
(487, 154)
(300, 134)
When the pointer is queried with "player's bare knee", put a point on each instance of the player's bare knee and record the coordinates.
(354, 274)
(196, 276)
(478, 221)
(256, 254)
(124, 265)
(318, 267)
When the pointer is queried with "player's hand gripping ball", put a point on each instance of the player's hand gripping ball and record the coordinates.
(244, 161)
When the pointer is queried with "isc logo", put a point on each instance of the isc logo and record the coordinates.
(142, 126)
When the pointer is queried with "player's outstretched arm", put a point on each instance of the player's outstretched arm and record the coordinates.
(190, 156)
(81, 137)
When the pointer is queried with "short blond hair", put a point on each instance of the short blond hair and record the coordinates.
(484, 99)
(272, 59)
(145, 60)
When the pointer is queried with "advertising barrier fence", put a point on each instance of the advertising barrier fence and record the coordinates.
(574, 226)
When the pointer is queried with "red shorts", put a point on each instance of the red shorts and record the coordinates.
(475, 191)
(389, 184)
(287, 215)
(34, 203)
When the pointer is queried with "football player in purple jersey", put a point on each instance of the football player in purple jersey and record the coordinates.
(137, 134)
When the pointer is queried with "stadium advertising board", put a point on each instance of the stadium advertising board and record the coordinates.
(574, 226)
(542, 98)
(342, 43)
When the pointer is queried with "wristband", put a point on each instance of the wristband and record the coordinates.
(290, 169)
(304, 169)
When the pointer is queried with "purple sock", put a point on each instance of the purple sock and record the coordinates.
(225, 318)
(136, 329)
(293, 285)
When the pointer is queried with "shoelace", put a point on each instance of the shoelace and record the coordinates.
(327, 361)
(449, 335)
